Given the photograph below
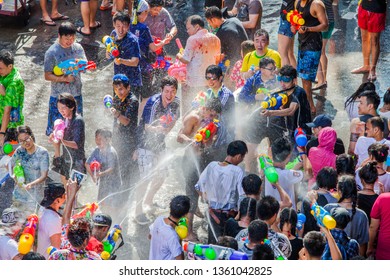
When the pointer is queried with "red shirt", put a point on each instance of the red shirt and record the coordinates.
(381, 210)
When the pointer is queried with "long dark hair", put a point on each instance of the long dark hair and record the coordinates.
(363, 87)
(348, 189)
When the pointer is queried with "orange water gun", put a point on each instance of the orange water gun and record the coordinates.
(207, 132)
(87, 212)
(294, 18)
(26, 239)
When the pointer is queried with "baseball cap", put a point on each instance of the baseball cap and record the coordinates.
(121, 78)
(11, 216)
(102, 220)
(341, 216)
(321, 120)
(52, 192)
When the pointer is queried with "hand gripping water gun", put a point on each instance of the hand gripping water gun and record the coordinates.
(268, 168)
(207, 132)
(73, 67)
(19, 173)
(58, 132)
(179, 45)
(294, 18)
(212, 252)
(178, 70)
(182, 228)
(87, 212)
(95, 167)
(26, 240)
(111, 47)
(107, 101)
(301, 221)
(300, 137)
(167, 119)
(162, 62)
(274, 101)
(110, 242)
(159, 51)
(322, 216)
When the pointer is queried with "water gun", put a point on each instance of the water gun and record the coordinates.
(254, 68)
(322, 216)
(268, 168)
(182, 228)
(111, 47)
(162, 62)
(73, 67)
(178, 69)
(179, 45)
(301, 221)
(26, 240)
(110, 242)
(95, 167)
(87, 211)
(207, 132)
(107, 101)
(1, 4)
(19, 173)
(167, 119)
(212, 252)
(300, 137)
(159, 51)
(199, 100)
(58, 132)
(294, 18)
(10, 147)
(277, 252)
(274, 101)
(50, 250)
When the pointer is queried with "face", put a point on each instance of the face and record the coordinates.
(142, 16)
(154, 11)
(209, 114)
(370, 131)
(268, 72)
(316, 130)
(121, 91)
(261, 43)
(101, 141)
(121, 28)
(212, 23)
(213, 81)
(100, 232)
(191, 29)
(66, 41)
(168, 95)
(66, 112)
(286, 82)
(25, 141)
(363, 107)
(4, 69)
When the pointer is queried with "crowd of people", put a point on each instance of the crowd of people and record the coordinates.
(236, 93)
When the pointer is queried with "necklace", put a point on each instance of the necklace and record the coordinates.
(176, 224)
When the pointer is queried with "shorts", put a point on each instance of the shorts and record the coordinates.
(327, 34)
(285, 28)
(308, 64)
(370, 21)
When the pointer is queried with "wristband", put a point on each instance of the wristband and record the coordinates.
(302, 153)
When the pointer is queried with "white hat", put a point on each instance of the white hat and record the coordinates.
(142, 6)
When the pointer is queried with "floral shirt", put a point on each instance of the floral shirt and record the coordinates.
(74, 254)
(236, 74)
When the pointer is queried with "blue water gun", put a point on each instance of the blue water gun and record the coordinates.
(73, 67)
(322, 216)
(110, 243)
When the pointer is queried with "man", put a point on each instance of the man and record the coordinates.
(310, 42)
(314, 244)
(64, 49)
(101, 226)
(159, 117)
(160, 21)
(220, 185)
(252, 59)
(202, 49)
(11, 96)
(372, 21)
(10, 225)
(319, 123)
(249, 12)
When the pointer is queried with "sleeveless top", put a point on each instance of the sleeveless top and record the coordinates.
(329, 10)
(287, 5)
(309, 41)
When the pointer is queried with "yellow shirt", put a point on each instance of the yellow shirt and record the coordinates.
(253, 59)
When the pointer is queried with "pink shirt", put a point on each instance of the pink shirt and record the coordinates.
(381, 210)
(236, 74)
(202, 49)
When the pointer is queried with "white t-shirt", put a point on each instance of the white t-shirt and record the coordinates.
(8, 248)
(384, 179)
(165, 243)
(50, 223)
(287, 180)
(362, 144)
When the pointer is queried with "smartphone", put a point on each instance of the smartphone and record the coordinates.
(78, 176)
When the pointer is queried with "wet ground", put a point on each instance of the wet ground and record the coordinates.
(29, 43)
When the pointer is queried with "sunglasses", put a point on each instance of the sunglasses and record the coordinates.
(284, 79)
(211, 78)
(269, 69)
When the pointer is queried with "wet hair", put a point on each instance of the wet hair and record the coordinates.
(122, 17)
(369, 173)
(247, 47)
(345, 164)
(288, 71)
(33, 256)
(372, 98)
(66, 28)
(69, 101)
(267, 207)
(6, 57)
(196, 20)
(104, 132)
(327, 178)
(179, 206)
(237, 147)
(214, 104)
(169, 81)
(215, 70)
(386, 97)
(379, 152)
(377, 122)
(263, 252)
(227, 241)
(289, 215)
(363, 87)
(314, 242)
(213, 12)
(79, 231)
(248, 208)
(251, 184)
(257, 231)
(156, 3)
(265, 61)
(25, 129)
(348, 189)
(261, 32)
(281, 148)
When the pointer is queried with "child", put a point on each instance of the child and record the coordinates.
(246, 47)
(257, 232)
(251, 185)
(108, 177)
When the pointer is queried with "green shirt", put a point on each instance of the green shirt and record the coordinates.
(14, 97)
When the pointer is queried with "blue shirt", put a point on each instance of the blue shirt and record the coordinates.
(349, 248)
(142, 32)
(248, 92)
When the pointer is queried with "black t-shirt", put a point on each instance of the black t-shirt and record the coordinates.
(339, 147)
(311, 223)
(75, 131)
(287, 5)
(296, 246)
(365, 202)
(375, 6)
(232, 228)
(210, 3)
(302, 115)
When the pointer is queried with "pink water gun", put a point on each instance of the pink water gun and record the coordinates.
(58, 133)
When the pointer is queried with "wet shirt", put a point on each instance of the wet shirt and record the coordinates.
(302, 115)
(75, 131)
(160, 24)
(249, 91)
(309, 41)
(376, 6)
(57, 54)
(14, 98)
(142, 32)
(8, 248)
(74, 254)
(348, 247)
(252, 60)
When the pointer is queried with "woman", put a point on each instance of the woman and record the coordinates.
(288, 224)
(366, 197)
(34, 160)
(246, 214)
(285, 36)
(73, 153)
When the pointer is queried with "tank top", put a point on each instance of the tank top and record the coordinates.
(309, 41)
(329, 10)
(287, 5)
(375, 6)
